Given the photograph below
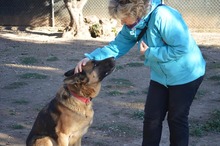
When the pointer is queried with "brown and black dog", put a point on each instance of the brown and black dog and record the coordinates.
(68, 116)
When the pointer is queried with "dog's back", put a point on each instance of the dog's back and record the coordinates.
(45, 123)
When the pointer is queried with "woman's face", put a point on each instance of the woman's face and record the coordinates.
(129, 21)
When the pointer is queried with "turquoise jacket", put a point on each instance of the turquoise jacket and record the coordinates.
(173, 55)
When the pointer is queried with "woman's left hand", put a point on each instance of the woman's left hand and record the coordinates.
(143, 48)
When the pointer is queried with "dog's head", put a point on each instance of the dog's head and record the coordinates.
(88, 82)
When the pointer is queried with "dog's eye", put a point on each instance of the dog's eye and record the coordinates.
(95, 63)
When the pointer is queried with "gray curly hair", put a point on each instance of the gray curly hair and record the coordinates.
(119, 9)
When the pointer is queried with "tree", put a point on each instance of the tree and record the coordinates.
(75, 8)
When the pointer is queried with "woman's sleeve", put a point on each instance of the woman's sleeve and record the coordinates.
(171, 30)
(123, 42)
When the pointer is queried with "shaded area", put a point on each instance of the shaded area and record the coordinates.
(25, 12)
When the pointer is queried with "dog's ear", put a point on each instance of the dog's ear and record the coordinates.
(69, 73)
(71, 79)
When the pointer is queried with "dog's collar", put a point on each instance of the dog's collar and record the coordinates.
(86, 100)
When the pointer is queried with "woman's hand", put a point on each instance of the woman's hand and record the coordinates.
(143, 47)
(79, 65)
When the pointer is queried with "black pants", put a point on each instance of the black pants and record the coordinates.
(174, 100)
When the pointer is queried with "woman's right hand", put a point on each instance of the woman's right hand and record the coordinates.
(79, 65)
(143, 47)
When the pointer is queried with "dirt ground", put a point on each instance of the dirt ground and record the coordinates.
(32, 63)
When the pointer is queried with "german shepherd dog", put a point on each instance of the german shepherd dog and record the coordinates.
(68, 116)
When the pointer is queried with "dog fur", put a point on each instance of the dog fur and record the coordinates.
(68, 116)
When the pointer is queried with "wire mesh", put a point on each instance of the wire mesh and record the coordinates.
(25, 12)
(198, 14)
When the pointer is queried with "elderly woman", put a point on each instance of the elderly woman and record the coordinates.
(176, 64)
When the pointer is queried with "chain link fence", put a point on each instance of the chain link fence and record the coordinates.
(25, 12)
(199, 14)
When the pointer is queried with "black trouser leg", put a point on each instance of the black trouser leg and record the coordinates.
(180, 100)
(155, 112)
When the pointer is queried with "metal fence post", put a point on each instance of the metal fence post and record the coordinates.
(52, 13)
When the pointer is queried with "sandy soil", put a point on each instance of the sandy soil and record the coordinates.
(32, 63)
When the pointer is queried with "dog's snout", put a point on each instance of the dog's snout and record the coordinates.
(111, 61)
(104, 67)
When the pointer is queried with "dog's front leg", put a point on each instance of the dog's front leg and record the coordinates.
(63, 139)
(78, 142)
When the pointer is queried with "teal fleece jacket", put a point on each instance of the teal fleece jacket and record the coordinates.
(173, 55)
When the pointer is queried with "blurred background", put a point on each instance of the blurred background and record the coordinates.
(200, 15)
